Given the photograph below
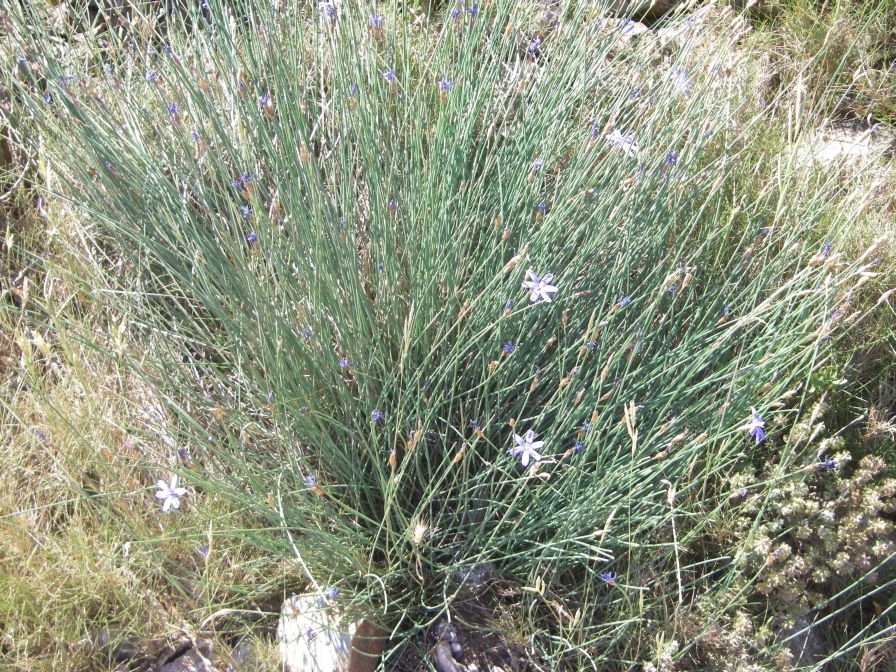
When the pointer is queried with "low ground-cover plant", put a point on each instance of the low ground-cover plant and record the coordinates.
(429, 303)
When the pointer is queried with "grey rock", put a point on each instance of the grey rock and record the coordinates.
(312, 637)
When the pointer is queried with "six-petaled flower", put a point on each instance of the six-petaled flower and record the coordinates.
(389, 75)
(534, 44)
(540, 289)
(446, 84)
(375, 20)
(526, 448)
(170, 494)
(252, 237)
(624, 142)
(377, 415)
(608, 577)
(310, 480)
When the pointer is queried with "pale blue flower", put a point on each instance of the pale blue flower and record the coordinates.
(540, 289)
(757, 426)
(526, 448)
(170, 494)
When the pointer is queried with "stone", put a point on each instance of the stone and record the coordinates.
(848, 143)
(311, 636)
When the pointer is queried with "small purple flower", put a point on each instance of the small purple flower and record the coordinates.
(726, 311)
(473, 424)
(446, 84)
(306, 332)
(353, 88)
(595, 129)
(375, 20)
(635, 92)
(195, 136)
(540, 289)
(534, 44)
(263, 100)
(671, 289)
(379, 266)
(329, 9)
(624, 142)
(152, 77)
(827, 248)
(526, 448)
(680, 81)
(507, 348)
(542, 207)
(586, 426)
(591, 344)
(672, 159)
(310, 480)
(252, 237)
(875, 261)
(172, 108)
(170, 494)
(455, 13)
(473, 9)
(48, 99)
(332, 593)
(757, 426)
(577, 447)
(245, 211)
(377, 415)
(107, 164)
(624, 301)
(343, 363)
(509, 304)
(537, 165)
(169, 50)
(628, 25)
(608, 577)
(389, 75)
(202, 549)
(828, 464)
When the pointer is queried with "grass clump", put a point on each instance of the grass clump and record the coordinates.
(320, 224)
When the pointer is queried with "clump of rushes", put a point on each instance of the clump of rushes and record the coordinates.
(377, 337)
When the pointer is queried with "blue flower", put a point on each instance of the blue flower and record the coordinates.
(507, 348)
(595, 129)
(202, 549)
(48, 99)
(306, 332)
(577, 447)
(672, 159)
(585, 426)
(377, 415)
(332, 593)
(608, 577)
(509, 304)
(375, 20)
(726, 311)
(537, 164)
(756, 427)
(473, 424)
(263, 100)
(539, 288)
(827, 248)
(680, 81)
(534, 44)
(329, 9)
(310, 480)
(343, 362)
(828, 464)
(245, 211)
(169, 50)
(526, 448)
(389, 75)
(107, 164)
(172, 108)
(446, 84)
(591, 344)
(455, 13)
(252, 237)
(195, 136)
(624, 301)
(152, 77)
(473, 9)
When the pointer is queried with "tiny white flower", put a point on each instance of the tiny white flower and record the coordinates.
(526, 448)
(539, 288)
(170, 493)
(624, 142)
